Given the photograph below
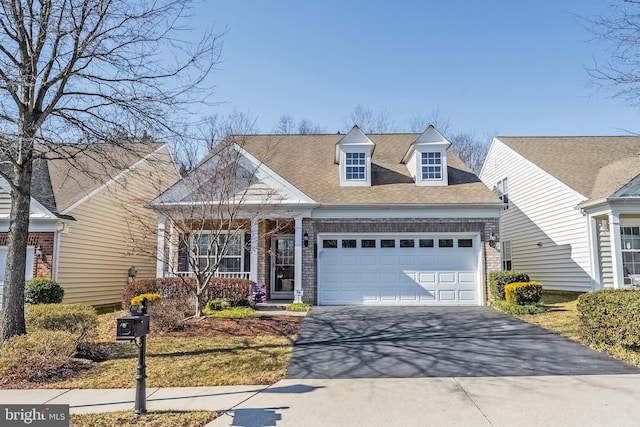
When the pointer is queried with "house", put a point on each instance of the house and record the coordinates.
(86, 217)
(381, 219)
(572, 219)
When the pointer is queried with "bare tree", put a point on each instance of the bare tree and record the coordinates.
(620, 31)
(418, 123)
(286, 125)
(470, 149)
(370, 121)
(208, 214)
(86, 70)
(307, 127)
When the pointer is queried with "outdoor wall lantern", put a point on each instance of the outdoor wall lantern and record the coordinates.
(492, 240)
(306, 239)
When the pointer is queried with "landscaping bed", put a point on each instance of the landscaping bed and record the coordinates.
(151, 419)
(205, 352)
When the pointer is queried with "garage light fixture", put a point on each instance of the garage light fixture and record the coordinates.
(492, 240)
(306, 239)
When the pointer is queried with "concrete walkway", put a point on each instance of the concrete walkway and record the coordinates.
(587, 400)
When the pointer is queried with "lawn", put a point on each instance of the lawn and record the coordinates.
(151, 419)
(207, 352)
(562, 318)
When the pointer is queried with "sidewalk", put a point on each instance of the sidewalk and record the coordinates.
(109, 400)
(570, 400)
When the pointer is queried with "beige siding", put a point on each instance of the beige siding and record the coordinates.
(549, 236)
(112, 232)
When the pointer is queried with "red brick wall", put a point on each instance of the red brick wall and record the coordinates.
(41, 266)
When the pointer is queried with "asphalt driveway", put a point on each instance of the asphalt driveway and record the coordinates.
(415, 342)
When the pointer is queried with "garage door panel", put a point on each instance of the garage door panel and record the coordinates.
(398, 275)
(447, 295)
(447, 277)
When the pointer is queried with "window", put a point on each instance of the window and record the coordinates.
(387, 243)
(349, 243)
(330, 244)
(630, 237)
(431, 166)
(465, 243)
(506, 255)
(502, 191)
(445, 243)
(426, 243)
(225, 250)
(407, 243)
(368, 243)
(355, 166)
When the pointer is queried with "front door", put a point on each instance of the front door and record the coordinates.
(282, 267)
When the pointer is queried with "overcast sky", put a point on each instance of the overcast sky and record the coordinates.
(493, 67)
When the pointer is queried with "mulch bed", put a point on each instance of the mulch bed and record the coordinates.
(246, 326)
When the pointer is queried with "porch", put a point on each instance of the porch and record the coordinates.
(265, 250)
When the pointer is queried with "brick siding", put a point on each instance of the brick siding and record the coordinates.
(42, 266)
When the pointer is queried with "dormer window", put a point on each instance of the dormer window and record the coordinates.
(426, 158)
(431, 166)
(353, 157)
(356, 166)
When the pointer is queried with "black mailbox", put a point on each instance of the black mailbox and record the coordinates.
(131, 327)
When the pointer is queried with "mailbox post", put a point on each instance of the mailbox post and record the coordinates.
(132, 327)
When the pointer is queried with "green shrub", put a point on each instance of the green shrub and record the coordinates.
(298, 306)
(232, 312)
(498, 279)
(78, 319)
(610, 317)
(216, 305)
(523, 293)
(42, 291)
(37, 355)
(518, 310)
(151, 298)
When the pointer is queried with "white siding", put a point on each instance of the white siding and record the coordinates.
(5, 203)
(549, 236)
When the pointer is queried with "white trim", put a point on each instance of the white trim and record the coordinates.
(56, 258)
(616, 250)
(160, 259)
(272, 179)
(489, 211)
(39, 211)
(255, 238)
(297, 263)
(111, 181)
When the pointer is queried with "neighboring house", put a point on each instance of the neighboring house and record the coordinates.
(573, 215)
(384, 219)
(87, 219)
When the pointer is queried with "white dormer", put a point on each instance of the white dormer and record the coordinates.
(353, 154)
(426, 158)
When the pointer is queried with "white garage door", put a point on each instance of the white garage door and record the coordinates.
(3, 264)
(392, 269)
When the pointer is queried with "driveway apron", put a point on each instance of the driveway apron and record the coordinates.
(415, 342)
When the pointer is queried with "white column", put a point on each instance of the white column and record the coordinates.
(594, 253)
(297, 272)
(160, 250)
(253, 265)
(616, 251)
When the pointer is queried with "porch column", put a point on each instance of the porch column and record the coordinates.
(616, 251)
(594, 253)
(253, 265)
(297, 273)
(160, 249)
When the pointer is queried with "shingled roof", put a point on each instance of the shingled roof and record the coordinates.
(57, 184)
(307, 162)
(594, 166)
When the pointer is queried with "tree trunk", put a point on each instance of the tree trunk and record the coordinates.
(13, 299)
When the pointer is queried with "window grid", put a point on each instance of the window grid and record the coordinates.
(506, 255)
(355, 166)
(431, 163)
(502, 191)
(209, 252)
(630, 239)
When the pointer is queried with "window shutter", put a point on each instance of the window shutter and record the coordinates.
(183, 252)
